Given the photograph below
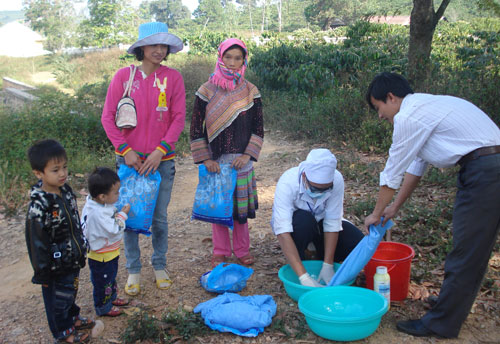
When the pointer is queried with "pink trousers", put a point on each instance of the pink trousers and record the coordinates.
(222, 242)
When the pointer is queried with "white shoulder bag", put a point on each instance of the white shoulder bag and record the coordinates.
(126, 114)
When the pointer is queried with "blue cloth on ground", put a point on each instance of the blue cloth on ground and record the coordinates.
(360, 255)
(213, 200)
(242, 315)
(226, 278)
(141, 193)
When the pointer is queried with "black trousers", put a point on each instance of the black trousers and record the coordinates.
(59, 297)
(476, 222)
(306, 229)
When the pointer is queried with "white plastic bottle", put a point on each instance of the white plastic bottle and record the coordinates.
(382, 283)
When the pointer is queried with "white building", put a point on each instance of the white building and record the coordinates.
(18, 40)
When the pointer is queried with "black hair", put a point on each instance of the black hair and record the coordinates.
(239, 47)
(41, 152)
(139, 53)
(384, 83)
(101, 181)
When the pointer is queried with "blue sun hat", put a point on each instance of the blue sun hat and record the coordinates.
(156, 33)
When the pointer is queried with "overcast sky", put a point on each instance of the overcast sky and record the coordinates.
(16, 5)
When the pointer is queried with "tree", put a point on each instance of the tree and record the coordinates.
(52, 18)
(171, 12)
(293, 14)
(490, 5)
(214, 14)
(208, 10)
(423, 21)
(279, 7)
(248, 5)
(111, 22)
(324, 13)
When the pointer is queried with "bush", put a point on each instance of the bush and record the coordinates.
(71, 121)
(316, 90)
(207, 42)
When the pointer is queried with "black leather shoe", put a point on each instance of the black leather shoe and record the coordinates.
(415, 328)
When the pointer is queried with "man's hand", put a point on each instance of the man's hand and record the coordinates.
(308, 281)
(389, 213)
(371, 219)
(326, 273)
(212, 166)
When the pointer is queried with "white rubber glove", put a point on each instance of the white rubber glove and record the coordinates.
(326, 273)
(308, 281)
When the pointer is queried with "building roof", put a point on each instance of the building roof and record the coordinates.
(398, 20)
(18, 40)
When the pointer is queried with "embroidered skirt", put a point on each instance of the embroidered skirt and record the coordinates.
(245, 195)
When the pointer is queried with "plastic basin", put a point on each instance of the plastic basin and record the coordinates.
(291, 281)
(343, 313)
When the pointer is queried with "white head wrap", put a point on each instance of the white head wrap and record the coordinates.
(319, 166)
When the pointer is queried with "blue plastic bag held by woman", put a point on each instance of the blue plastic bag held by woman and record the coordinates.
(141, 193)
(213, 201)
(226, 278)
(242, 315)
(362, 253)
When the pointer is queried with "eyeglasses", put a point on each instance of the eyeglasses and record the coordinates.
(318, 190)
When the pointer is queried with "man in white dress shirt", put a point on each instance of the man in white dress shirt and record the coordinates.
(308, 207)
(443, 131)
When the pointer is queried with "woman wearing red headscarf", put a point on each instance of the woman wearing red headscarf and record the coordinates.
(227, 127)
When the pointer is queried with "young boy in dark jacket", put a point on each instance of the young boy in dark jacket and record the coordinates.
(56, 245)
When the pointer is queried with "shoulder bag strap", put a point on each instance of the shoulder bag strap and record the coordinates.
(130, 81)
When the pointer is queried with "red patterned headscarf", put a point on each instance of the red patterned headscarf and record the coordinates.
(223, 76)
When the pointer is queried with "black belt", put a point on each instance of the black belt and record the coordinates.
(478, 153)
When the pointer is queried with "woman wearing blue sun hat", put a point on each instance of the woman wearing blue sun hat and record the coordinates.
(159, 96)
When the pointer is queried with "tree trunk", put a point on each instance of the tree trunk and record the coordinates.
(279, 15)
(263, 16)
(250, 11)
(423, 22)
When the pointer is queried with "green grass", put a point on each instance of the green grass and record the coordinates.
(291, 324)
(167, 329)
(22, 68)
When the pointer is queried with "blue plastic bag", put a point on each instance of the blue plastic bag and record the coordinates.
(360, 255)
(213, 201)
(226, 278)
(242, 315)
(141, 193)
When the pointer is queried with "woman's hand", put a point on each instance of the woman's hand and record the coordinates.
(133, 160)
(151, 163)
(212, 166)
(240, 161)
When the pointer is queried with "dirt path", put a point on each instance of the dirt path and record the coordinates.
(22, 319)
